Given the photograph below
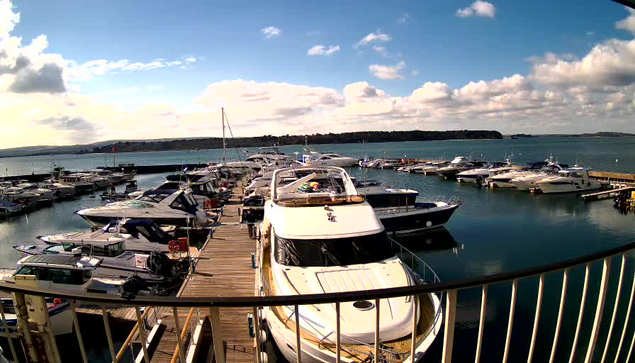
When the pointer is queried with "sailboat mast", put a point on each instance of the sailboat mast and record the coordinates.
(224, 142)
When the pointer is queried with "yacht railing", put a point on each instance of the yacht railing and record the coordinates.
(613, 343)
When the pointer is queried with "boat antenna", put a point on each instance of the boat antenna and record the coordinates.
(224, 142)
(226, 120)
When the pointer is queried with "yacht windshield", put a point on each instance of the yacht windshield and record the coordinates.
(332, 252)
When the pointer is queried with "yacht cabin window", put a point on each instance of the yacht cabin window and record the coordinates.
(56, 275)
(332, 252)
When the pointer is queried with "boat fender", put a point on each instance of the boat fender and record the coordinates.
(264, 358)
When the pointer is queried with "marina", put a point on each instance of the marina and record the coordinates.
(227, 264)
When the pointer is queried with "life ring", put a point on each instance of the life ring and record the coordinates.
(173, 246)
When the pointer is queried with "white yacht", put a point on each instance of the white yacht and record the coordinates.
(138, 235)
(60, 191)
(178, 208)
(503, 180)
(328, 159)
(320, 236)
(267, 156)
(530, 180)
(574, 179)
(46, 195)
(429, 168)
(71, 273)
(479, 175)
(116, 262)
(457, 165)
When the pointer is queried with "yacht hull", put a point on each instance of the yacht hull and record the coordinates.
(550, 188)
(285, 338)
(103, 220)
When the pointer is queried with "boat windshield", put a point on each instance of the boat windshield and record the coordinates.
(56, 275)
(332, 252)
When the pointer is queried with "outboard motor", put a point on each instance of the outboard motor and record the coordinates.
(132, 286)
(159, 264)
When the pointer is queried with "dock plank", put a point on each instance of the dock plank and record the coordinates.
(224, 269)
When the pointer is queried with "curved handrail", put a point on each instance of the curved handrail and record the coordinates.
(254, 301)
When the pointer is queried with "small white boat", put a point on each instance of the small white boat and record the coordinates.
(479, 175)
(571, 180)
(328, 159)
(178, 208)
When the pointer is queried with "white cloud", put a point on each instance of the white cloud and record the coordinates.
(381, 50)
(608, 64)
(313, 32)
(100, 67)
(8, 18)
(414, 73)
(403, 18)
(271, 32)
(387, 72)
(478, 8)
(374, 38)
(323, 50)
(628, 23)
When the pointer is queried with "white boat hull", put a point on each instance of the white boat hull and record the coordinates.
(549, 188)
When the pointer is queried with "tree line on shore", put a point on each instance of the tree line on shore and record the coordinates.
(269, 140)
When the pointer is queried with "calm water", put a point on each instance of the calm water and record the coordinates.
(493, 231)
(607, 154)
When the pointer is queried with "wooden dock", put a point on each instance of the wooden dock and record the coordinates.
(605, 194)
(224, 269)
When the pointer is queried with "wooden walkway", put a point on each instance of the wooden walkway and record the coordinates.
(224, 269)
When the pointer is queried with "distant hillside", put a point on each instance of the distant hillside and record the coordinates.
(267, 140)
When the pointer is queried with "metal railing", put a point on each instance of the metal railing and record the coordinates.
(620, 331)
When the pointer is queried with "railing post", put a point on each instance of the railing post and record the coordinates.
(142, 333)
(217, 336)
(338, 347)
(532, 346)
(615, 306)
(587, 271)
(413, 341)
(111, 344)
(14, 354)
(599, 309)
(257, 333)
(510, 322)
(563, 296)
(377, 328)
(78, 332)
(481, 324)
(298, 340)
(448, 334)
(626, 320)
(175, 312)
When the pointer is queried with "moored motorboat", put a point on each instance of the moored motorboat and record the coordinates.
(400, 213)
(328, 159)
(575, 179)
(457, 165)
(138, 235)
(343, 249)
(178, 208)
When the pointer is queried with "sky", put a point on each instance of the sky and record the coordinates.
(76, 72)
